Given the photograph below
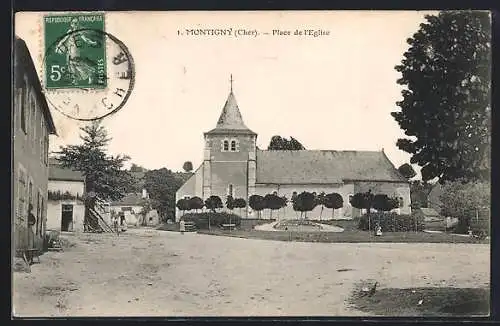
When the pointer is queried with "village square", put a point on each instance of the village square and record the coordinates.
(257, 227)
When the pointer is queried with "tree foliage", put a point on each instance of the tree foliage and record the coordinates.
(304, 202)
(137, 168)
(384, 203)
(465, 199)
(161, 185)
(187, 166)
(407, 171)
(230, 202)
(363, 200)
(279, 143)
(333, 201)
(196, 203)
(183, 205)
(419, 192)
(257, 203)
(213, 203)
(445, 109)
(104, 174)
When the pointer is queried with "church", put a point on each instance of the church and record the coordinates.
(233, 165)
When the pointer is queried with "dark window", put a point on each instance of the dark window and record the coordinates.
(233, 145)
(226, 145)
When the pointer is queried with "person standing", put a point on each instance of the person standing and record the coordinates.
(182, 226)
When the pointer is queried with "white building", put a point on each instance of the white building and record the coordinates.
(65, 207)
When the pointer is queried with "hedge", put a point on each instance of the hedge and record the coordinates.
(391, 222)
(216, 219)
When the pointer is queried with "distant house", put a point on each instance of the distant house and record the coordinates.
(65, 209)
(31, 126)
(131, 206)
(434, 197)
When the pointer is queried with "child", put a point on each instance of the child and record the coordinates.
(182, 226)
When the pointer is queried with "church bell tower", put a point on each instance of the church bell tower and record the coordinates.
(229, 162)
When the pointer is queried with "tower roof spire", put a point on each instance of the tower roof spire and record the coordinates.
(230, 119)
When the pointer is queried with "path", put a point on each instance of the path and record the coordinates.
(158, 273)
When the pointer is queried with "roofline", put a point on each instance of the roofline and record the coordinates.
(217, 131)
(65, 179)
(376, 180)
(394, 167)
(20, 45)
(297, 184)
(192, 176)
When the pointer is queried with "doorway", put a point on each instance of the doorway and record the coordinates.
(67, 217)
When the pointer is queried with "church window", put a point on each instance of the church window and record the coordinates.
(225, 146)
(401, 201)
(233, 145)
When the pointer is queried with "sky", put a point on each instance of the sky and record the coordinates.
(332, 92)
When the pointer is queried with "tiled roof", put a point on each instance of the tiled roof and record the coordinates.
(131, 199)
(230, 119)
(324, 167)
(57, 172)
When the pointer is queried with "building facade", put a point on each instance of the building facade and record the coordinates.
(32, 124)
(65, 205)
(233, 165)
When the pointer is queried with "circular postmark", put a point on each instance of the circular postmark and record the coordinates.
(88, 74)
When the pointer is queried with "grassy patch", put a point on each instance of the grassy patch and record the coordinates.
(434, 302)
(353, 236)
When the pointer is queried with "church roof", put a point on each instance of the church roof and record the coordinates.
(324, 167)
(230, 120)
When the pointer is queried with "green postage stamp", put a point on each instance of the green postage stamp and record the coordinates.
(75, 51)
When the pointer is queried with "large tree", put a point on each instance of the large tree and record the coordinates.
(446, 109)
(161, 185)
(279, 143)
(187, 166)
(105, 176)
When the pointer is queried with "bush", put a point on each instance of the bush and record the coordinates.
(216, 219)
(478, 227)
(391, 222)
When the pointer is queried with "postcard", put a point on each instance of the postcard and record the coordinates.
(274, 163)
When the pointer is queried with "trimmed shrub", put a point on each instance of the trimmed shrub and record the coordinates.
(216, 219)
(391, 222)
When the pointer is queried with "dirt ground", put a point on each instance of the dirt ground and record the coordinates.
(146, 272)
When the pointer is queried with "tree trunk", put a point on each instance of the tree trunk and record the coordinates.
(271, 214)
(321, 213)
(333, 213)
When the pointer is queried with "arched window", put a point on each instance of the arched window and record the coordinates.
(233, 145)
(226, 145)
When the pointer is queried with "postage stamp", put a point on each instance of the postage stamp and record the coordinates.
(88, 73)
(75, 54)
